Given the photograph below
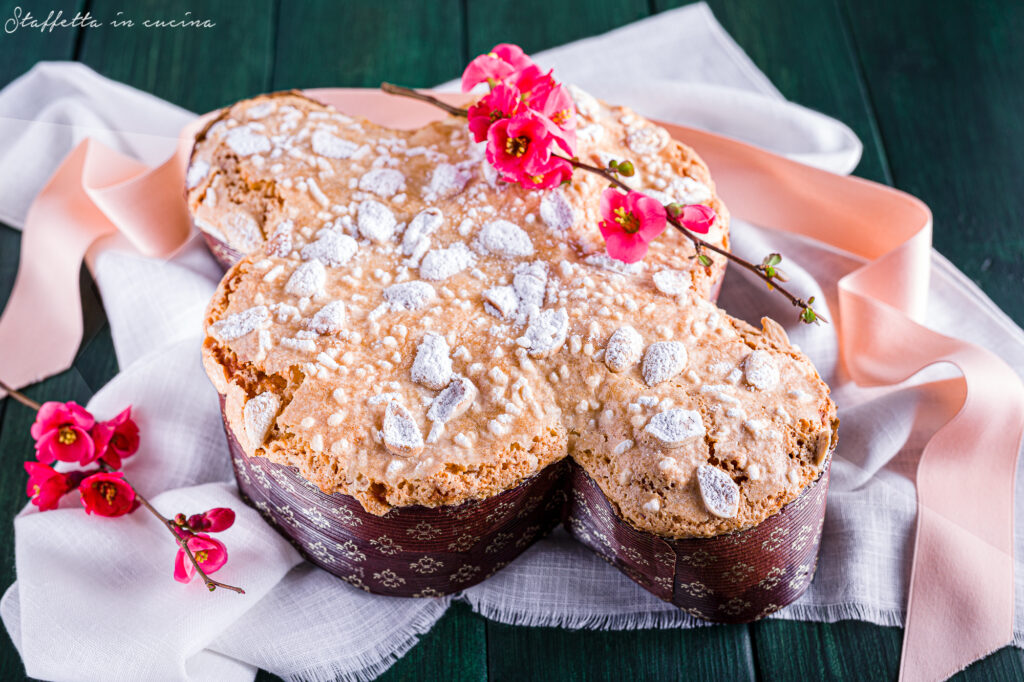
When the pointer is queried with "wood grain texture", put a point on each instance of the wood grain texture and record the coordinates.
(196, 68)
(96, 358)
(947, 85)
(24, 47)
(807, 53)
(360, 44)
(718, 652)
(536, 25)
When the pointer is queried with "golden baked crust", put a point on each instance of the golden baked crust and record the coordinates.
(401, 372)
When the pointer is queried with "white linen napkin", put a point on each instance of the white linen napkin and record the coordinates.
(302, 623)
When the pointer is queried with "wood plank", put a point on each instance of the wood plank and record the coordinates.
(850, 649)
(450, 652)
(789, 650)
(24, 47)
(196, 68)
(536, 25)
(947, 85)
(806, 52)
(15, 420)
(361, 44)
(720, 652)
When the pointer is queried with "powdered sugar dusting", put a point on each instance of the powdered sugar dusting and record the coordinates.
(760, 370)
(624, 349)
(409, 295)
(239, 324)
(196, 173)
(449, 404)
(441, 264)
(663, 360)
(546, 332)
(307, 280)
(446, 181)
(672, 428)
(502, 301)
(259, 414)
(529, 283)
(376, 221)
(332, 248)
(384, 182)
(556, 211)
(400, 432)
(719, 492)
(433, 364)
(244, 142)
(672, 282)
(603, 260)
(332, 146)
(417, 235)
(686, 190)
(328, 320)
(505, 239)
(280, 241)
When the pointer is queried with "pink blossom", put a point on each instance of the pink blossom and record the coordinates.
(45, 486)
(210, 554)
(521, 147)
(556, 104)
(631, 222)
(502, 102)
(213, 521)
(116, 439)
(497, 65)
(61, 431)
(108, 494)
(697, 218)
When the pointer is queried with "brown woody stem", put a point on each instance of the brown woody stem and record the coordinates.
(698, 244)
(211, 584)
(20, 397)
(393, 89)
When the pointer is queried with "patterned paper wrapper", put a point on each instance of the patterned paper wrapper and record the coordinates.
(419, 551)
(733, 578)
(410, 551)
(222, 252)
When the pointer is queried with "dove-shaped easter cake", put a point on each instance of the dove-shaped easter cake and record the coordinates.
(423, 368)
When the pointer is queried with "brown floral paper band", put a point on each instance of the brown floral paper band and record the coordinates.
(427, 552)
(732, 578)
(410, 551)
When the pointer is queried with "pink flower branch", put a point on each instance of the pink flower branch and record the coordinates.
(527, 115)
(401, 91)
(765, 271)
(67, 432)
(181, 538)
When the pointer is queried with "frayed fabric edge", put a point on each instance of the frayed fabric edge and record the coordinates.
(374, 664)
(826, 613)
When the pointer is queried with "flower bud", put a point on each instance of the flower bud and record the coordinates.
(214, 520)
(626, 168)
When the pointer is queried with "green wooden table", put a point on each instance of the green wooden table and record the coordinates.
(934, 89)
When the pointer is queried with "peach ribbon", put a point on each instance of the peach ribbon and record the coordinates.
(960, 605)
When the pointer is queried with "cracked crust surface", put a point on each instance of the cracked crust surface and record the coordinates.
(523, 312)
